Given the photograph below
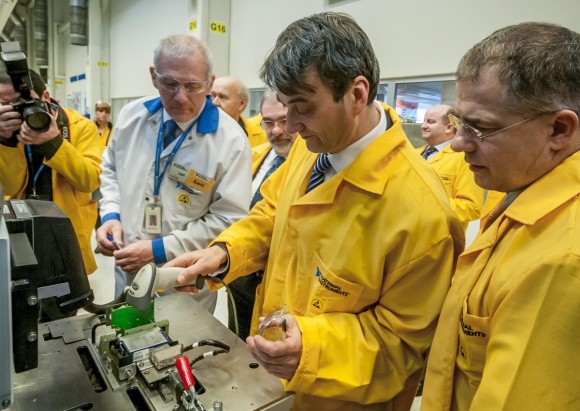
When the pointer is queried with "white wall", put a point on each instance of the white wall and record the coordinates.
(136, 28)
(411, 37)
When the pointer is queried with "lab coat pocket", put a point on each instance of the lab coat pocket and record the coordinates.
(448, 182)
(329, 292)
(188, 201)
(473, 340)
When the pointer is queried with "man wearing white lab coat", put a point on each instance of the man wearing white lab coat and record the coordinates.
(164, 195)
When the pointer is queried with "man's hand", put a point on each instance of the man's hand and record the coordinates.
(199, 262)
(133, 257)
(109, 229)
(279, 358)
(29, 136)
(10, 121)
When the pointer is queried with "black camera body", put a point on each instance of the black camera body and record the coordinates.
(33, 111)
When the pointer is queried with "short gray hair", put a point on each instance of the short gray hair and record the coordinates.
(538, 65)
(332, 45)
(269, 95)
(183, 45)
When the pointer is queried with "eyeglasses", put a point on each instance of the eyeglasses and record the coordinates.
(269, 125)
(456, 122)
(172, 85)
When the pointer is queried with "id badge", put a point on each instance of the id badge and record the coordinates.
(152, 223)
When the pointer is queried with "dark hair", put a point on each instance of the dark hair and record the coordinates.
(38, 84)
(538, 65)
(332, 45)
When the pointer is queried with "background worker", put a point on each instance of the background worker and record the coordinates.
(231, 95)
(105, 127)
(466, 197)
(177, 171)
(267, 158)
(340, 232)
(102, 120)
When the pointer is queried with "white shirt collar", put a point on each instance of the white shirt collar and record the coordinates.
(441, 146)
(344, 158)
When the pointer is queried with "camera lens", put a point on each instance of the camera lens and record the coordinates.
(36, 118)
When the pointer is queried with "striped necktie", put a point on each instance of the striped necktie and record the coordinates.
(258, 195)
(169, 132)
(320, 167)
(428, 151)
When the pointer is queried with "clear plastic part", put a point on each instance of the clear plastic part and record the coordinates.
(273, 327)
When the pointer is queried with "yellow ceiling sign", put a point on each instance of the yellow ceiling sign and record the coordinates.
(102, 64)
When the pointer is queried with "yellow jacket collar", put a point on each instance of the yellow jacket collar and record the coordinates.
(367, 170)
(547, 193)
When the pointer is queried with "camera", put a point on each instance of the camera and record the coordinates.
(33, 111)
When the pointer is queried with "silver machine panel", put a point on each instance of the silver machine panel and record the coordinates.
(66, 380)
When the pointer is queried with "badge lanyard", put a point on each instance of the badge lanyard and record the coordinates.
(38, 172)
(64, 127)
(158, 177)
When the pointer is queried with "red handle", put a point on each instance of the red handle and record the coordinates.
(184, 369)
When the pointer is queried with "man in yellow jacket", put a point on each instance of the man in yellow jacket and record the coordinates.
(61, 164)
(360, 256)
(509, 331)
(266, 158)
(466, 197)
(231, 95)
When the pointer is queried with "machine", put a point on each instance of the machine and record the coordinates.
(165, 353)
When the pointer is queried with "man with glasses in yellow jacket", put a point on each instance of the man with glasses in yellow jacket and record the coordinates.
(508, 331)
(355, 233)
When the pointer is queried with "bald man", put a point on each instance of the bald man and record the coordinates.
(466, 197)
(231, 95)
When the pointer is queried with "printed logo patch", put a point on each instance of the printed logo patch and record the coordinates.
(183, 199)
(468, 330)
(329, 285)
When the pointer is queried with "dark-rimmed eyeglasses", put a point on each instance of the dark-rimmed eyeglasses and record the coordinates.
(172, 85)
(456, 122)
(269, 125)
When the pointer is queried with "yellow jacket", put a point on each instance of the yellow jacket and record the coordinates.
(466, 197)
(514, 308)
(256, 134)
(259, 153)
(75, 175)
(106, 136)
(363, 262)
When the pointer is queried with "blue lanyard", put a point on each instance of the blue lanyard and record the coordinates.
(38, 172)
(158, 176)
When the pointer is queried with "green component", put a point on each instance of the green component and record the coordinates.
(128, 317)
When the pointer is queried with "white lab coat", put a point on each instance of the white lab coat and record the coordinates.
(190, 222)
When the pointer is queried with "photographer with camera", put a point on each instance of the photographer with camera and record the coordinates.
(60, 164)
